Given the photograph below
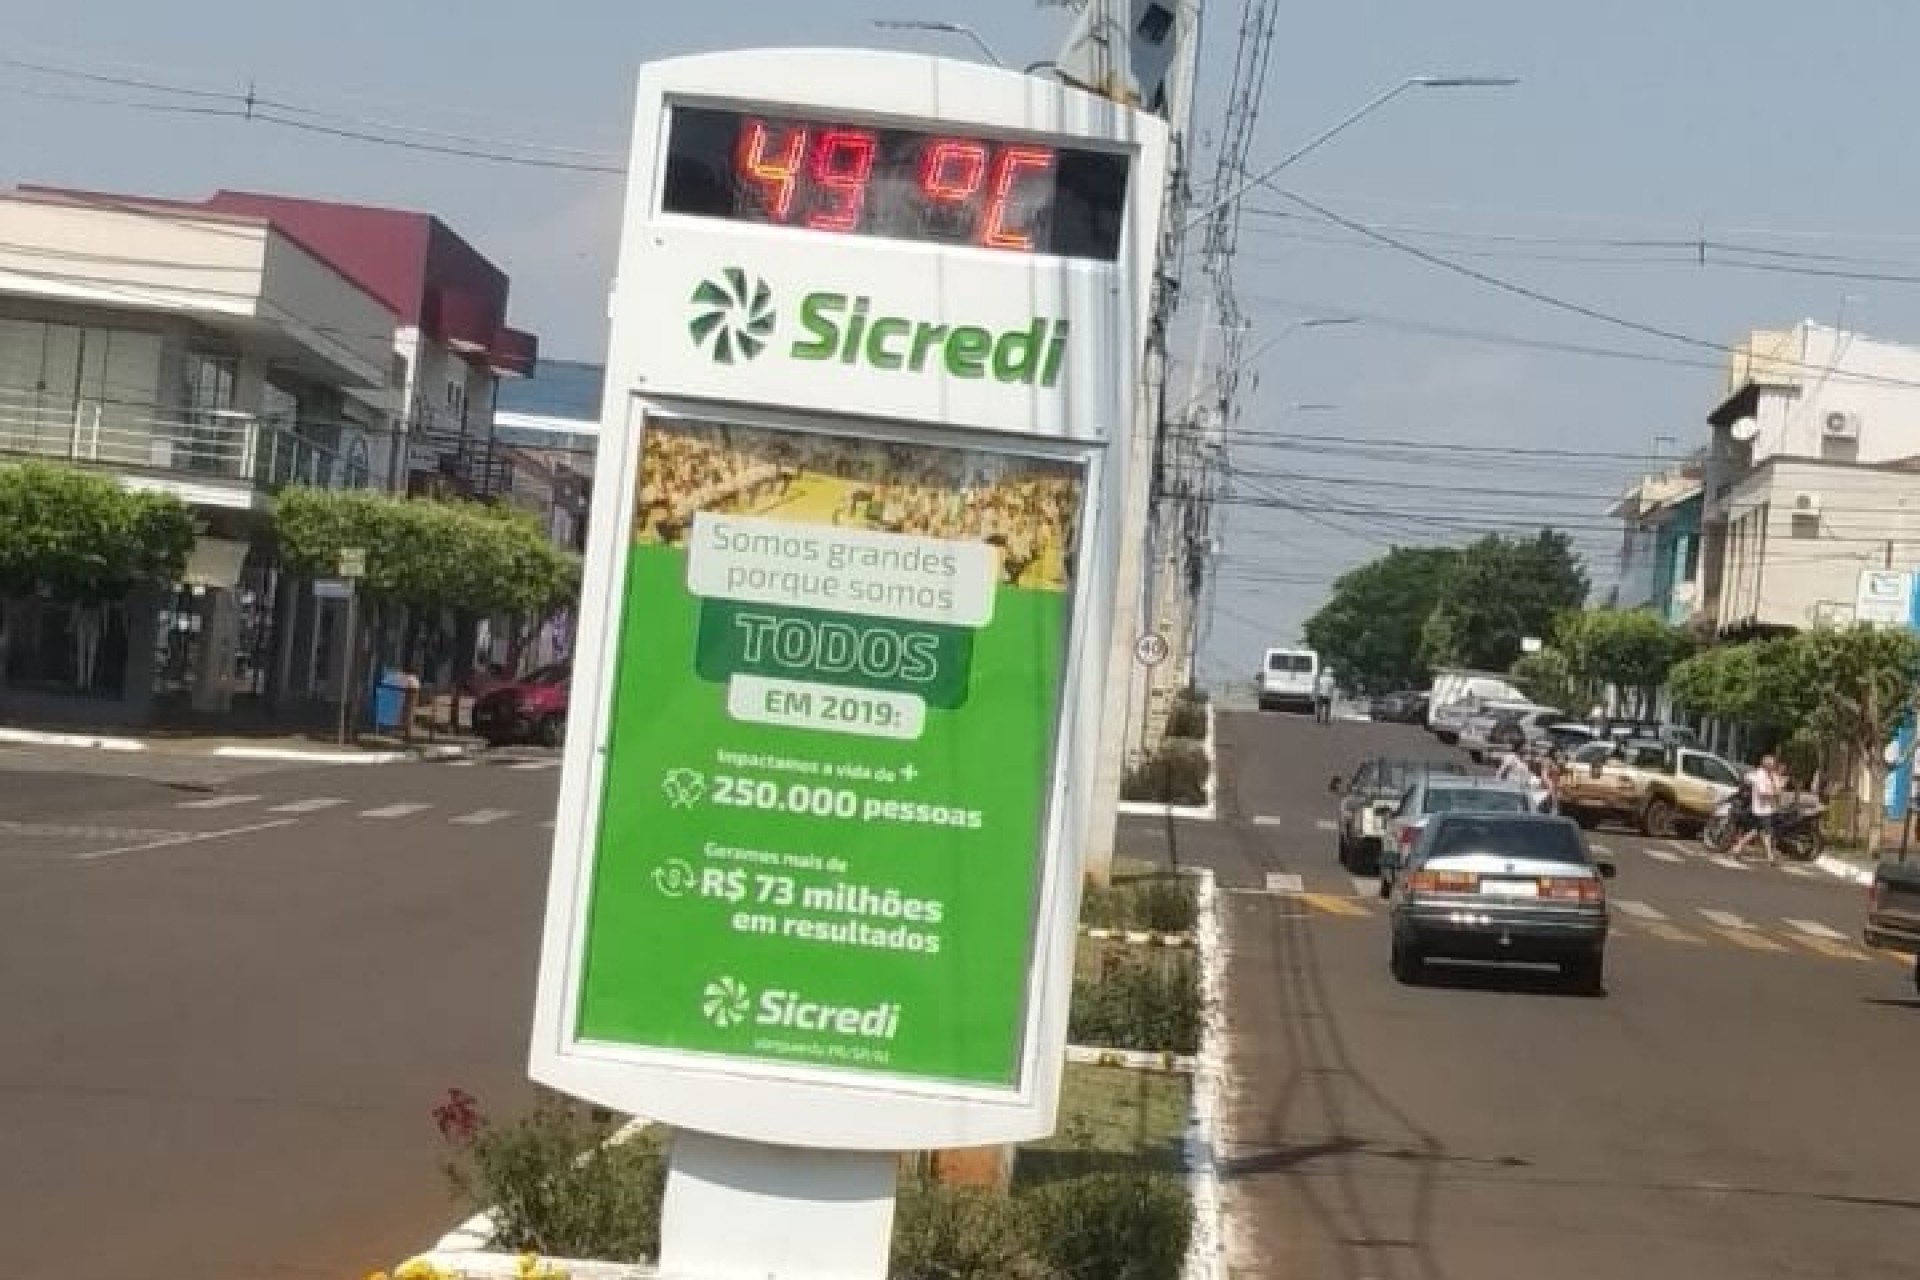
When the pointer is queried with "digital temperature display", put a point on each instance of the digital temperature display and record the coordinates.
(898, 184)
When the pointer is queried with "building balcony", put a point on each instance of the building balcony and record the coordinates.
(219, 459)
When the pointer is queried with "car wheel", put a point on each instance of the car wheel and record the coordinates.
(1656, 819)
(1916, 973)
(1408, 965)
(551, 731)
(1587, 975)
(1343, 852)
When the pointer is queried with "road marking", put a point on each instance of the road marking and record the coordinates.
(198, 837)
(1284, 882)
(1266, 820)
(1827, 947)
(1731, 864)
(1331, 905)
(394, 811)
(463, 763)
(1366, 887)
(1746, 936)
(1813, 928)
(1900, 958)
(314, 805)
(1327, 825)
(481, 817)
(216, 802)
(1725, 919)
(1804, 873)
(1638, 910)
(528, 766)
(1601, 850)
(548, 824)
(1672, 933)
(1664, 855)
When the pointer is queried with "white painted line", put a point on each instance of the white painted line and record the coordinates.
(89, 742)
(310, 757)
(1601, 850)
(548, 824)
(1266, 820)
(216, 802)
(313, 805)
(465, 762)
(1684, 850)
(1725, 919)
(1284, 882)
(1327, 825)
(1841, 869)
(394, 810)
(1804, 873)
(1663, 855)
(529, 766)
(1814, 929)
(1731, 864)
(481, 817)
(198, 837)
(1638, 910)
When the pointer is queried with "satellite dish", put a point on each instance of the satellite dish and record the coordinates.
(1744, 429)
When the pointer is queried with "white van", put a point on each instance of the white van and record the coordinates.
(1287, 678)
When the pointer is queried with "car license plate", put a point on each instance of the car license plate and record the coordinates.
(1510, 888)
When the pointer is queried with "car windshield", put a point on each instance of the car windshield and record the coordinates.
(1500, 838)
(1475, 800)
(1290, 663)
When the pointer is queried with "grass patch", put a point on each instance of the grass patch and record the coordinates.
(1160, 903)
(1137, 998)
(1111, 1120)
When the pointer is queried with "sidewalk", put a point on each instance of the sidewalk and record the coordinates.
(292, 748)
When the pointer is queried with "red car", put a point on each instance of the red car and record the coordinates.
(530, 709)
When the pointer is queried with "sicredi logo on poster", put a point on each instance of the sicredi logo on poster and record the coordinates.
(856, 571)
(726, 1002)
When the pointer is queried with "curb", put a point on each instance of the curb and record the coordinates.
(1137, 937)
(1209, 1250)
(1190, 812)
(89, 742)
(1841, 869)
(1086, 1055)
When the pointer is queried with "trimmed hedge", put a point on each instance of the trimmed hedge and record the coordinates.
(1175, 774)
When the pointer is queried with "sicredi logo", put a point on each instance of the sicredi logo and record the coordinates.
(734, 317)
(726, 1002)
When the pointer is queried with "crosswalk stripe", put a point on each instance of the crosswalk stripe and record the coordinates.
(481, 817)
(1900, 958)
(1813, 928)
(1731, 864)
(1327, 825)
(313, 805)
(1804, 873)
(1601, 850)
(462, 763)
(1638, 910)
(1827, 947)
(217, 802)
(1332, 905)
(1284, 882)
(1672, 933)
(1749, 938)
(394, 810)
(528, 766)
(1366, 887)
(1684, 850)
(1725, 919)
(1664, 855)
(1266, 820)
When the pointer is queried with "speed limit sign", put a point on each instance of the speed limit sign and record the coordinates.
(1150, 650)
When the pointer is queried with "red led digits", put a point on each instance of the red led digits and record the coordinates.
(952, 172)
(777, 174)
(1013, 164)
(841, 164)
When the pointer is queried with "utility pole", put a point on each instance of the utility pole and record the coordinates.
(1099, 53)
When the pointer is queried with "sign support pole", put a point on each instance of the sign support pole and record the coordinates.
(799, 1213)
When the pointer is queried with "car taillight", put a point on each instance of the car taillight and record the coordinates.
(1572, 889)
(1444, 882)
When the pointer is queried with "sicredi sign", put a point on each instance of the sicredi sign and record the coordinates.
(838, 679)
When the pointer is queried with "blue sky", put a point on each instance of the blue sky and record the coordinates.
(1775, 127)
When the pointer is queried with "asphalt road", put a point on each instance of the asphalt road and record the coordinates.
(1741, 1103)
(230, 1006)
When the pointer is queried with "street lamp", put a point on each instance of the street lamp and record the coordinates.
(1327, 135)
(944, 28)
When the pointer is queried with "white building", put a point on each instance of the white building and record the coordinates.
(199, 353)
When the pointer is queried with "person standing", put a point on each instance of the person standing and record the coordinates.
(1323, 690)
(1763, 807)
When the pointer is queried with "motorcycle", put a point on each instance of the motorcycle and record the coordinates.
(1796, 831)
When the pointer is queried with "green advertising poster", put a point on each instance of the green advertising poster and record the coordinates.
(835, 697)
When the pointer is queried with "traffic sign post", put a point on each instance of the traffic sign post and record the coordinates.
(837, 690)
(1151, 649)
(353, 567)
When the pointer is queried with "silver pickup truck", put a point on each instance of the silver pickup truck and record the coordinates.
(1893, 912)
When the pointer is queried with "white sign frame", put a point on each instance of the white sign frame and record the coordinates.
(654, 370)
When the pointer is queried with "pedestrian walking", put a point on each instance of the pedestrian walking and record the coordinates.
(1323, 691)
(1762, 785)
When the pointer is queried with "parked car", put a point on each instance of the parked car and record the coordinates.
(1369, 798)
(1455, 695)
(1502, 726)
(1893, 912)
(530, 709)
(1650, 786)
(1435, 793)
(1408, 706)
(1503, 887)
(1287, 679)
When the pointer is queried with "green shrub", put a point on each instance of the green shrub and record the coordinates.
(1163, 904)
(554, 1184)
(1175, 774)
(1150, 1003)
(1187, 719)
(1112, 1226)
(962, 1233)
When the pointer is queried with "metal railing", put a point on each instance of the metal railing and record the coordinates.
(221, 445)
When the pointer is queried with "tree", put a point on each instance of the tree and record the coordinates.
(1861, 684)
(1370, 629)
(81, 537)
(1498, 591)
(1630, 649)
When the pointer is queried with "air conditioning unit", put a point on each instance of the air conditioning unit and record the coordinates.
(1841, 426)
(1806, 506)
